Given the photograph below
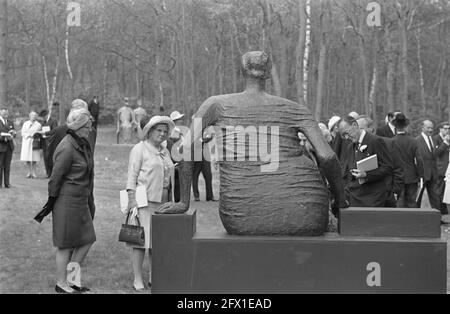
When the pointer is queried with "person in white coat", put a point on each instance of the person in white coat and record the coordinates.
(28, 154)
(446, 199)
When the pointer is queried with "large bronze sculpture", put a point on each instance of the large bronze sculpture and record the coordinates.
(290, 200)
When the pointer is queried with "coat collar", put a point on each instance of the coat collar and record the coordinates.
(73, 142)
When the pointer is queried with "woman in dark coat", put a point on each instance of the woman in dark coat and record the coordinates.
(70, 193)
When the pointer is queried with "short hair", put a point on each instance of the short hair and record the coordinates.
(43, 113)
(423, 122)
(349, 119)
(3, 108)
(390, 115)
(366, 118)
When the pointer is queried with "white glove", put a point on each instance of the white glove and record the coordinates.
(134, 214)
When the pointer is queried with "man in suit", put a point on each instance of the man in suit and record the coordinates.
(371, 190)
(412, 163)
(94, 110)
(396, 185)
(176, 136)
(387, 130)
(48, 124)
(430, 173)
(442, 145)
(7, 134)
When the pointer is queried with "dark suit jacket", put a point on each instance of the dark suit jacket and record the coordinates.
(5, 143)
(442, 151)
(385, 131)
(397, 184)
(428, 158)
(375, 191)
(94, 109)
(52, 123)
(412, 162)
(342, 148)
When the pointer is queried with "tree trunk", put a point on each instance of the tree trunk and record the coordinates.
(366, 76)
(29, 63)
(421, 81)
(69, 70)
(267, 45)
(47, 85)
(307, 48)
(404, 62)
(374, 81)
(3, 51)
(105, 80)
(233, 60)
(321, 66)
(193, 67)
(300, 53)
(183, 57)
(390, 70)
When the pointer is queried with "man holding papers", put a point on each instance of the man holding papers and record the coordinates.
(6, 146)
(369, 166)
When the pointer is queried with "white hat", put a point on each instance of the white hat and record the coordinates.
(176, 116)
(354, 115)
(159, 120)
(333, 121)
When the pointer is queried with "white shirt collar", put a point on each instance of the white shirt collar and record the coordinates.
(3, 120)
(361, 138)
(427, 140)
(392, 127)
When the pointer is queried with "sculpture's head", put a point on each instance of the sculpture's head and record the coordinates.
(256, 64)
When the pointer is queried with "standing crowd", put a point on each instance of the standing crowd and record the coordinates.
(406, 167)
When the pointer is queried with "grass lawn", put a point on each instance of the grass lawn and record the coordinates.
(27, 256)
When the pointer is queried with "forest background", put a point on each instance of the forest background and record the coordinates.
(334, 56)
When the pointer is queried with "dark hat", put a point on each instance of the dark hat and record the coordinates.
(400, 120)
(442, 125)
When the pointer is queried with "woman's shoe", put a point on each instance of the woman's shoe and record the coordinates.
(34, 176)
(29, 176)
(60, 290)
(80, 289)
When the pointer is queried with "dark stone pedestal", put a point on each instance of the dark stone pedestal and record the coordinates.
(390, 222)
(186, 261)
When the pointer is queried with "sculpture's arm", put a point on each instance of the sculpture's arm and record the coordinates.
(326, 158)
(208, 113)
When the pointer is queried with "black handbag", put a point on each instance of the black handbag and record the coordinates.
(37, 141)
(36, 144)
(132, 234)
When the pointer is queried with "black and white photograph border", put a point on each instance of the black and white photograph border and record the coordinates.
(321, 129)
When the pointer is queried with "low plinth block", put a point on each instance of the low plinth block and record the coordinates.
(186, 261)
(390, 222)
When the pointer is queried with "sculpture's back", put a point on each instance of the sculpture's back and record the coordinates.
(289, 197)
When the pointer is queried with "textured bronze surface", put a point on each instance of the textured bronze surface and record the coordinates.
(293, 199)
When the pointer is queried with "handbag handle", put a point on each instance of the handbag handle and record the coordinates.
(128, 217)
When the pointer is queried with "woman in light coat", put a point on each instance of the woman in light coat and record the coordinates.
(446, 199)
(28, 154)
(150, 165)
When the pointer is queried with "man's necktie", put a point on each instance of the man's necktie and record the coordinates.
(431, 144)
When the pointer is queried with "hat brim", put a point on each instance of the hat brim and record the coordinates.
(161, 120)
(181, 116)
